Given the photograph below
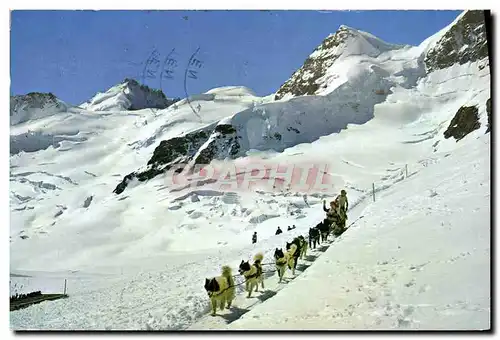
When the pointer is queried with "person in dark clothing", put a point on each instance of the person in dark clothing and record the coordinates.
(278, 231)
(254, 238)
(332, 213)
(288, 229)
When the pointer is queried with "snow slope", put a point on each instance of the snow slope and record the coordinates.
(138, 260)
(86, 154)
(419, 259)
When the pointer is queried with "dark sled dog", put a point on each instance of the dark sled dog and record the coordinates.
(313, 237)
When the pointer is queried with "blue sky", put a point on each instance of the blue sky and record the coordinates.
(75, 54)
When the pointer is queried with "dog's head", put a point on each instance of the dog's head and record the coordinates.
(211, 285)
(244, 267)
(278, 254)
(288, 245)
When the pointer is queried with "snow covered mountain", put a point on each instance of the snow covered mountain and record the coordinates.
(315, 75)
(90, 201)
(34, 105)
(128, 95)
(353, 72)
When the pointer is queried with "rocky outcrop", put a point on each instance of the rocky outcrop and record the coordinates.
(465, 121)
(177, 150)
(223, 143)
(197, 147)
(463, 42)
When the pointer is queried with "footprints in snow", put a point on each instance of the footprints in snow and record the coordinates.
(462, 255)
(377, 293)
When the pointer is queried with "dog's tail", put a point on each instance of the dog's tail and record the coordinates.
(226, 271)
(258, 257)
(293, 249)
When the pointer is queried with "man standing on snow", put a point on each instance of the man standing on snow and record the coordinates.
(254, 237)
(278, 231)
(343, 205)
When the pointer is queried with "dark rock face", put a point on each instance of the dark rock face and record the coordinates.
(464, 42)
(488, 110)
(223, 144)
(181, 150)
(169, 150)
(465, 121)
(177, 150)
(87, 202)
(142, 96)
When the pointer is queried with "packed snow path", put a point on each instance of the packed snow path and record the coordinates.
(241, 304)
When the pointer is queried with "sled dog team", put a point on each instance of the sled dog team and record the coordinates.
(221, 289)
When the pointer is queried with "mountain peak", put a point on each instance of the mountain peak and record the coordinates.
(344, 43)
(346, 28)
(128, 95)
(34, 105)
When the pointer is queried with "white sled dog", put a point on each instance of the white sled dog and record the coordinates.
(221, 289)
(252, 273)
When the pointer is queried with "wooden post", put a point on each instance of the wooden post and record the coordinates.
(65, 286)
(406, 170)
(373, 190)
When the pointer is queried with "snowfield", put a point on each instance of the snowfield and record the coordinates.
(418, 257)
